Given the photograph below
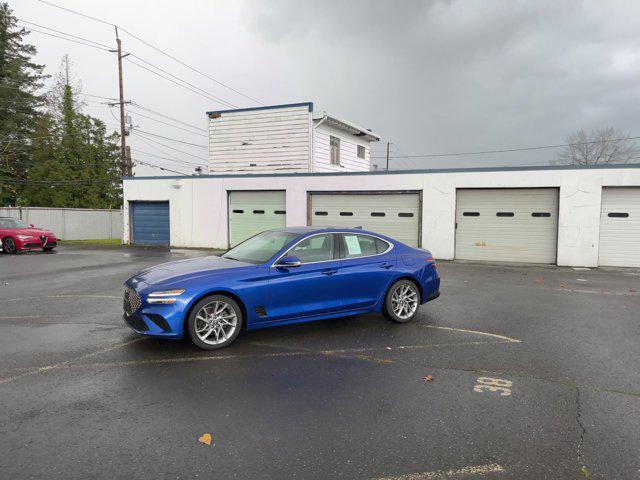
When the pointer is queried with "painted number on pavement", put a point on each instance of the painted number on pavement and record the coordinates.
(488, 384)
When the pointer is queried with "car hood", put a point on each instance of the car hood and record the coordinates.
(36, 232)
(189, 269)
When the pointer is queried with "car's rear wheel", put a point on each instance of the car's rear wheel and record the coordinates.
(9, 246)
(402, 301)
(215, 322)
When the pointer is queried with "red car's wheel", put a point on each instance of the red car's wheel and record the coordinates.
(9, 246)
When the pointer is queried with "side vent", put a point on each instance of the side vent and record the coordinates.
(260, 311)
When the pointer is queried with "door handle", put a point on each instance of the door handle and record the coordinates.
(329, 271)
(386, 265)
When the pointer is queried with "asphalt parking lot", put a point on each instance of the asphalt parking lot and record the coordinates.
(535, 374)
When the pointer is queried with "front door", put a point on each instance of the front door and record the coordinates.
(311, 288)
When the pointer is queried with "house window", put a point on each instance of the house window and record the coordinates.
(334, 144)
(360, 151)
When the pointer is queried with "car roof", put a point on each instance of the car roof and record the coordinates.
(318, 229)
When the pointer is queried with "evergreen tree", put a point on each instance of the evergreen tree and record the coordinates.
(82, 154)
(20, 78)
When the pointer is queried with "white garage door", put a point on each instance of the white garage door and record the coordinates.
(620, 227)
(253, 212)
(507, 225)
(394, 214)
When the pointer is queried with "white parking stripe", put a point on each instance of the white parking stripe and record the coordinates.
(476, 332)
(475, 470)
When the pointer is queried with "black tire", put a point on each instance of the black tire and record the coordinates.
(207, 301)
(9, 246)
(388, 310)
(48, 249)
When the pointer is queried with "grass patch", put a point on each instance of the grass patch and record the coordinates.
(101, 241)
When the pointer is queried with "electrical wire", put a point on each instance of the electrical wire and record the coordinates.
(155, 48)
(509, 150)
(171, 139)
(140, 136)
(166, 123)
(137, 105)
(153, 155)
(69, 39)
(65, 33)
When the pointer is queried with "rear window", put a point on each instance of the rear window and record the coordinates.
(354, 245)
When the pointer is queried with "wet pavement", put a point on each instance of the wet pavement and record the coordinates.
(535, 374)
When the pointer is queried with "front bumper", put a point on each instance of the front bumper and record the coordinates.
(35, 243)
(163, 321)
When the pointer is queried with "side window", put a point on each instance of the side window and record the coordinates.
(359, 245)
(334, 150)
(318, 248)
(361, 152)
(381, 245)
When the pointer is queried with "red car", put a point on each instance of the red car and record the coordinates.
(16, 235)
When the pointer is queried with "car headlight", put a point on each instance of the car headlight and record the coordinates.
(165, 297)
(23, 237)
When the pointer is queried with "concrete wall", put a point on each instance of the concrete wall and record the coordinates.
(198, 206)
(71, 223)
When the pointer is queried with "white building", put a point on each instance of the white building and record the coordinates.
(572, 216)
(286, 139)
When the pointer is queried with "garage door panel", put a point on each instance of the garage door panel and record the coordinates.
(396, 215)
(509, 225)
(150, 223)
(620, 235)
(252, 212)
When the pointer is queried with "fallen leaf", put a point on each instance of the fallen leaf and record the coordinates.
(540, 280)
(206, 439)
(428, 378)
(562, 285)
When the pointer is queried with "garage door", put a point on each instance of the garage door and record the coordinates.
(507, 225)
(150, 223)
(253, 212)
(620, 227)
(396, 214)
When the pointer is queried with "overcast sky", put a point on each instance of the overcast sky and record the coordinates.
(430, 77)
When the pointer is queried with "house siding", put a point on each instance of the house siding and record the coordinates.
(274, 140)
(349, 160)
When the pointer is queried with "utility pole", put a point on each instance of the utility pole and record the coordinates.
(125, 159)
(387, 156)
(129, 172)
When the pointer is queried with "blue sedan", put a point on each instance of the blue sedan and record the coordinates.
(279, 277)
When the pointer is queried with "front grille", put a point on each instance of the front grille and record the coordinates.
(131, 301)
(43, 239)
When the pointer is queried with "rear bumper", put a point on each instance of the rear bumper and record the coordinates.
(433, 297)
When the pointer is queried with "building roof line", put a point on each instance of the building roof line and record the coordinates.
(400, 172)
(309, 105)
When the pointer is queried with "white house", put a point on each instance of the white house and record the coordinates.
(288, 138)
(567, 215)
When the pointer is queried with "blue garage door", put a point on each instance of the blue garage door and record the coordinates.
(150, 222)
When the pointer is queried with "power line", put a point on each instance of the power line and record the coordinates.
(221, 100)
(153, 155)
(161, 168)
(171, 139)
(524, 149)
(205, 95)
(166, 123)
(65, 33)
(68, 39)
(142, 137)
(137, 105)
(155, 48)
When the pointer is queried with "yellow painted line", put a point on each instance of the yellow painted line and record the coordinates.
(67, 362)
(476, 332)
(475, 470)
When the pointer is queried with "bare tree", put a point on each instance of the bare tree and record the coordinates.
(601, 146)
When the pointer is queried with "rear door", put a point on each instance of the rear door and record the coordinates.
(368, 265)
(150, 223)
(311, 289)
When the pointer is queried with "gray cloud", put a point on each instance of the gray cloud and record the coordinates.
(439, 76)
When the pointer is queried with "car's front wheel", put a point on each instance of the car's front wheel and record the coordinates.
(9, 245)
(402, 301)
(215, 322)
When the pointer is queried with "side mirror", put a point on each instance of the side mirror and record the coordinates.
(289, 262)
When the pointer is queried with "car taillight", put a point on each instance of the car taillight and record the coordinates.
(432, 260)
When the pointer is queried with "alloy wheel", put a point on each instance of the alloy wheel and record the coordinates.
(404, 301)
(9, 245)
(216, 322)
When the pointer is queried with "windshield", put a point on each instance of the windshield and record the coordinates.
(260, 248)
(12, 223)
